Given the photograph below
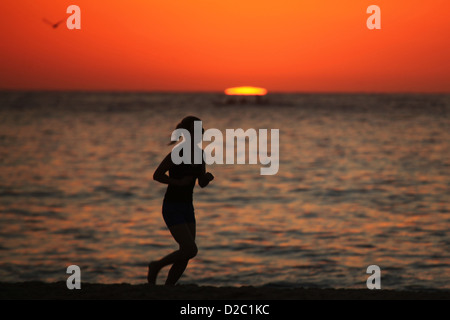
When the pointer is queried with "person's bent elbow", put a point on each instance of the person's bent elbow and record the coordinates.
(156, 176)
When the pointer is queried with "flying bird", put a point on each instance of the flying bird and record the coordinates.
(54, 25)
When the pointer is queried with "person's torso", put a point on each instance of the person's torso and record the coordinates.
(182, 193)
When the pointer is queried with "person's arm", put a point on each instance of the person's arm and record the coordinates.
(205, 177)
(161, 176)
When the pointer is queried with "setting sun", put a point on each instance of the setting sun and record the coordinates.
(246, 91)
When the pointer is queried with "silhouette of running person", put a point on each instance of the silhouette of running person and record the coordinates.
(178, 209)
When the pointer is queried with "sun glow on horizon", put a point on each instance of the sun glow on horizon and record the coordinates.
(246, 91)
(199, 45)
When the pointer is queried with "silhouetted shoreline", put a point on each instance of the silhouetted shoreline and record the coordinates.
(94, 291)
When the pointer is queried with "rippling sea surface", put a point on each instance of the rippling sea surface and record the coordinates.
(363, 179)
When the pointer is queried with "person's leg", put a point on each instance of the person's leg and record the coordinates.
(177, 269)
(188, 249)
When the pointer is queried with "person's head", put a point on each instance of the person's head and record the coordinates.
(188, 124)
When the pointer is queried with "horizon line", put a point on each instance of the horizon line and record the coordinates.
(222, 92)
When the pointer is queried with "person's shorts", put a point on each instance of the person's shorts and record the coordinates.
(178, 213)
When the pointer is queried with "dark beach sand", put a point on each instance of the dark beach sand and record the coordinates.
(41, 290)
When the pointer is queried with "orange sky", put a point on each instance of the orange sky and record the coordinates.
(208, 45)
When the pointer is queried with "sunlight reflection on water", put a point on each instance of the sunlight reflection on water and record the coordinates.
(363, 180)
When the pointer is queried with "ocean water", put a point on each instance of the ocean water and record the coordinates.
(363, 180)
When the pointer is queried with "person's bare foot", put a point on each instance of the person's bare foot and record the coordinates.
(152, 273)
